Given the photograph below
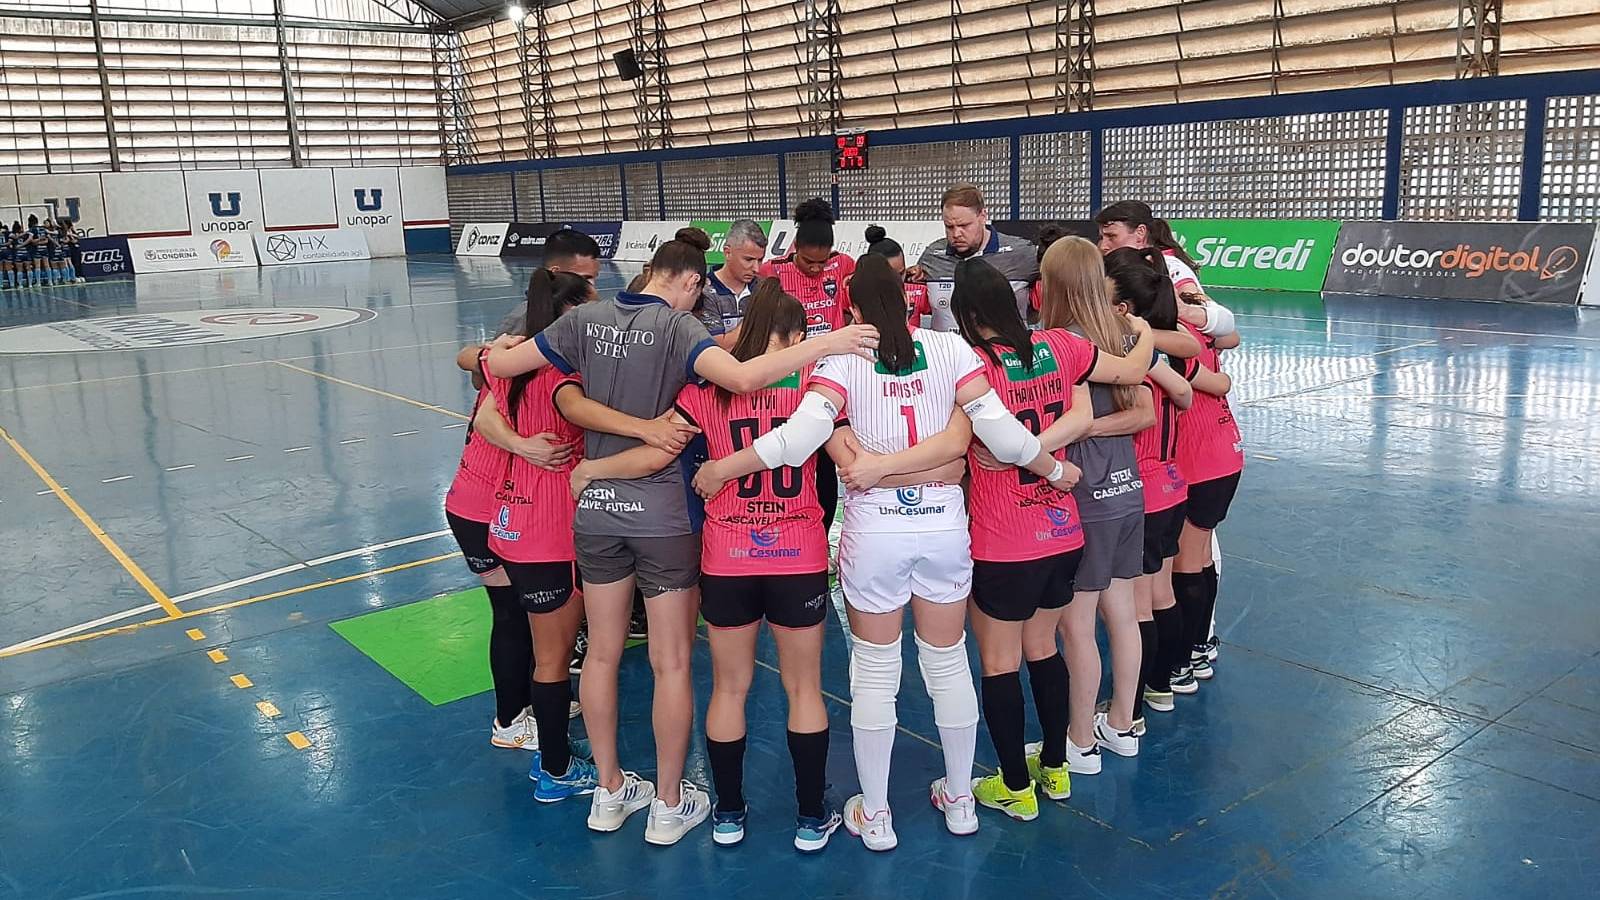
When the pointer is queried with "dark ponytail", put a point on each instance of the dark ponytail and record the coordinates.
(879, 295)
(1141, 281)
(879, 242)
(983, 301)
(549, 295)
(813, 224)
(769, 311)
(1161, 237)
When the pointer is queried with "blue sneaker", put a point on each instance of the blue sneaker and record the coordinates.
(579, 749)
(581, 778)
(811, 835)
(727, 828)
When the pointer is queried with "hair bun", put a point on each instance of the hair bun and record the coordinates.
(694, 237)
(875, 233)
(814, 210)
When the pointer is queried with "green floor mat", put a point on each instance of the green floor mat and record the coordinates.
(438, 648)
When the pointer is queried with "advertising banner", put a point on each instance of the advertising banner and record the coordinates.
(77, 197)
(482, 238)
(606, 234)
(527, 238)
(286, 248)
(145, 204)
(224, 202)
(292, 199)
(105, 257)
(1266, 254)
(639, 240)
(1531, 262)
(850, 237)
(369, 199)
(178, 254)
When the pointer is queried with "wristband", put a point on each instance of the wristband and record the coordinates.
(1057, 472)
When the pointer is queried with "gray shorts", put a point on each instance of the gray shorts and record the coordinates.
(662, 564)
(1111, 549)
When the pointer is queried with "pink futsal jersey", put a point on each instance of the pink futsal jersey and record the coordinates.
(1209, 444)
(533, 506)
(482, 468)
(1017, 515)
(823, 295)
(1157, 446)
(768, 523)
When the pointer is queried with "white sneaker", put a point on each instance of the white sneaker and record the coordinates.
(574, 709)
(521, 734)
(668, 824)
(960, 813)
(1083, 760)
(1122, 743)
(609, 809)
(877, 832)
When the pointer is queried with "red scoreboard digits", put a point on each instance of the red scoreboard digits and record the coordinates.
(849, 152)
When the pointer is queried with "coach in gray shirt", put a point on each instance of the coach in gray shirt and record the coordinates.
(967, 234)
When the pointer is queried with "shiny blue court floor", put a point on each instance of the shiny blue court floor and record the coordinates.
(1405, 706)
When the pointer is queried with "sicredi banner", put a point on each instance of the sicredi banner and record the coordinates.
(1268, 254)
(287, 248)
(527, 239)
(482, 238)
(606, 234)
(177, 254)
(105, 257)
(639, 240)
(1533, 262)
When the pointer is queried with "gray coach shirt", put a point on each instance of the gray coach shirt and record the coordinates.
(1016, 258)
(635, 354)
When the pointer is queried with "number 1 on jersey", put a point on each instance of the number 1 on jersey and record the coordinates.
(910, 415)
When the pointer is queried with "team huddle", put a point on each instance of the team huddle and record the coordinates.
(1027, 436)
(40, 254)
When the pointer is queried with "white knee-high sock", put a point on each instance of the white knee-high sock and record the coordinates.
(948, 678)
(874, 685)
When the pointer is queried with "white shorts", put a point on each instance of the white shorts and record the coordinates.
(880, 570)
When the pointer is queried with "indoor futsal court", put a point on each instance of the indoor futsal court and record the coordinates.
(768, 449)
(1408, 701)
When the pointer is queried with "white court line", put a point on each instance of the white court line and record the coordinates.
(219, 588)
(1405, 347)
(353, 441)
(239, 458)
(402, 433)
(455, 425)
(180, 468)
(295, 449)
(115, 480)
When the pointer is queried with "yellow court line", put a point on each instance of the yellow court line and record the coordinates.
(372, 390)
(138, 626)
(150, 587)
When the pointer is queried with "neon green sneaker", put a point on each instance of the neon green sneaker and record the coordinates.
(991, 791)
(1053, 781)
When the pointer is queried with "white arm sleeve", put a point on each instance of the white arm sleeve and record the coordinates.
(1219, 320)
(793, 442)
(1000, 431)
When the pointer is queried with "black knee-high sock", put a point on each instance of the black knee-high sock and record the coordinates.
(1048, 677)
(1212, 581)
(810, 755)
(1172, 648)
(1002, 709)
(1149, 665)
(510, 654)
(727, 773)
(551, 700)
(1190, 589)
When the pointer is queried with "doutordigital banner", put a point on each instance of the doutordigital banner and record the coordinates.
(1270, 254)
(1533, 262)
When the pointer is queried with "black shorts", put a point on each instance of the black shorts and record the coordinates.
(785, 601)
(1209, 501)
(473, 539)
(542, 587)
(1014, 591)
(1161, 530)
